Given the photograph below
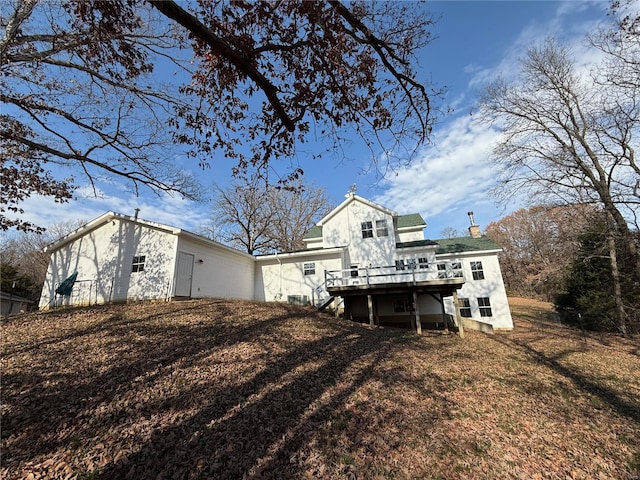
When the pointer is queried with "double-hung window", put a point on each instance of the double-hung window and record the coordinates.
(309, 268)
(476, 271)
(423, 262)
(381, 228)
(465, 307)
(137, 265)
(367, 229)
(399, 264)
(485, 307)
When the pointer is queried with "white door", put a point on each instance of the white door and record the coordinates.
(184, 274)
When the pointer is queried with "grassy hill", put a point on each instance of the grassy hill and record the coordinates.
(232, 390)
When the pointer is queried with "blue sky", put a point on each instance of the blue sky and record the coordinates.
(475, 41)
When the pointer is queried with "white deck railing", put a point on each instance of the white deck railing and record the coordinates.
(407, 273)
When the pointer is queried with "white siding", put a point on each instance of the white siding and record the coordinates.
(279, 277)
(103, 257)
(345, 229)
(409, 236)
(491, 286)
(222, 273)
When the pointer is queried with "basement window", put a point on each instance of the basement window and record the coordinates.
(137, 265)
(309, 268)
(485, 307)
(465, 307)
(399, 305)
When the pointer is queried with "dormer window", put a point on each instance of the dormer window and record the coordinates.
(367, 230)
(381, 228)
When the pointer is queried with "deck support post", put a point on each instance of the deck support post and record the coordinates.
(456, 304)
(416, 310)
(370, 305)
(444, 314)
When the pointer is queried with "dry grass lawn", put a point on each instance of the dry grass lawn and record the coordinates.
(232, 390)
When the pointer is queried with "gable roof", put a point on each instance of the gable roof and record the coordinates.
(466, 244)
(109, 216)
(101, 220)
(352, 197)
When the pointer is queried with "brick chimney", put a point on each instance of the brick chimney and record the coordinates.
(474, 230)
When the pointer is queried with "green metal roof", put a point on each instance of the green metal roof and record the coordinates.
(411, 220)
(465, 244)
(314, 232)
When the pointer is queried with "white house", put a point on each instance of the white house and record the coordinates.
(365, 260)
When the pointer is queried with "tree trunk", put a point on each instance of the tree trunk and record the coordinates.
(617, 290)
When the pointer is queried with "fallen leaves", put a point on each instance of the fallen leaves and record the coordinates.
(231, 389)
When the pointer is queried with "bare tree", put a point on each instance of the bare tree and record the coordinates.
(241, 215)
(24, 252)
(538, 246)
(293, 212)
(77, 95)
(571, 138)
(567, 139)
(450, 232)
(246, 81)
(261, 218)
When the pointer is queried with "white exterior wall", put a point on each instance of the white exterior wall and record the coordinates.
(278, 277)
(102, 257)
(223, 273)
(409, 235)
(492, 286)
(344, 229)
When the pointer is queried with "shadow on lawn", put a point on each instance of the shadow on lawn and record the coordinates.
(250, 427)
(607, 395)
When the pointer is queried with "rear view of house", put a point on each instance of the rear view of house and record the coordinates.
(369, 262)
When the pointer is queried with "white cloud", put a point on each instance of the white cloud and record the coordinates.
(173, 211)
(455, 174)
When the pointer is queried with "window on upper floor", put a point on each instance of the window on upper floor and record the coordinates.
(411, 263)
(442, 270)
(476, 271)
(485, 307)
(367, 229)
(309, 268)
(400, 265)
(354, 270)
(423, 262)
(137, 265)
(465, 307)
(381, 228)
